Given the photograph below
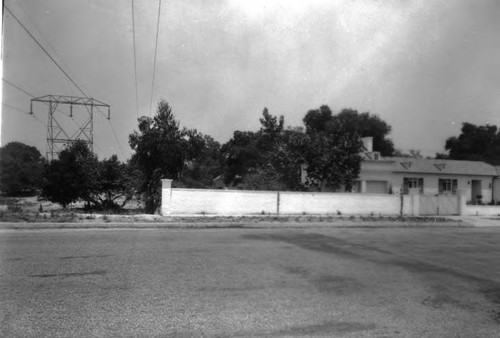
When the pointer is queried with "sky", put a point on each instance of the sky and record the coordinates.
(424, 67)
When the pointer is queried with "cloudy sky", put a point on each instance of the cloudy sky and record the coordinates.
(423, 66)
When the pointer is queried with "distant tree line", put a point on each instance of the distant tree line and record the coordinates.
(325, 150)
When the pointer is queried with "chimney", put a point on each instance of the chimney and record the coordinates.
(368, 143)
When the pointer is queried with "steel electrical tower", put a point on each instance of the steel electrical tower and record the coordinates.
(58, 133)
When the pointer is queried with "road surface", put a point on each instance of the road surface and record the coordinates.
(356, 282)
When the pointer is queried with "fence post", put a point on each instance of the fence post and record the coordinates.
(166, 197)
(278, 205)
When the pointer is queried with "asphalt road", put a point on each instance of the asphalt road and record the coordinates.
(391, 282)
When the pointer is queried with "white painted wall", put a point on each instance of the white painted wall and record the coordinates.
(482, 210)
(226, 202)
(243, 202)
(345, 203)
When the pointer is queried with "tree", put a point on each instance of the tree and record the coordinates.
(73, 176)
(117, 183)
(317, 119)
(350, 121)
(333, 159)
(78, 175)
(475, 143)
(413, 153)
(247, 153)
(200, 172)
(288, 156)
(162, 150)
(21, 168)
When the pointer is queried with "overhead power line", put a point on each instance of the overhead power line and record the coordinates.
(135, 60)
(60, 68)
(22, 111)
(17, 87)
(154, 63)
(44, 50)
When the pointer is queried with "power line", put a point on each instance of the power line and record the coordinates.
(17, 87)
(135, 61)
(22, 111)
(47, 42)
(62, 70)
(45, 51)
(116, 138)
(154, 63)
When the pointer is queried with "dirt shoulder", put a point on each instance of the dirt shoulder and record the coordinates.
(155, 221)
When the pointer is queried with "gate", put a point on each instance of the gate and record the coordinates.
(438, 204)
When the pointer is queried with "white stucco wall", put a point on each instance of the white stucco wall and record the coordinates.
(227, 202)
(344, 203)
(240, 202)
(482, 210)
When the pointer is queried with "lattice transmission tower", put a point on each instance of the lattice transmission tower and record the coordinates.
(64, 109)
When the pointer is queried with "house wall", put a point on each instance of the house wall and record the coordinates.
(382, 171)
(177, 201)
(496, 190)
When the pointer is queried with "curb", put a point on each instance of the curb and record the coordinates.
(233, 225)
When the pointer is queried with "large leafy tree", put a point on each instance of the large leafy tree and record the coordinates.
(241, 156)
(21, 168)
(200, 172)
(162, 150)
(78, 175)
(246, 155)
(333, 160)
(272, 158)
(288, 156)
(352, 122)
(73, 176)
(475, 143)
(116, 184)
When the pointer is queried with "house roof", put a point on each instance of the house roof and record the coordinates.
(436, 166)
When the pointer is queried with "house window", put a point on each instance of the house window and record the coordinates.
(447, 186)
(412, 182)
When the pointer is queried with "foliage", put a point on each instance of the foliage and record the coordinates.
(246, 156)
(262, 179)
(288, 156)
(21, 168)
(475, 143)
(333, 159)
(71, 177)
(79, 175)
(162, 150)
(117, 183)
(240, 155)
(200, 172)
(351, 122)
(413, 153)
(273, 157)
